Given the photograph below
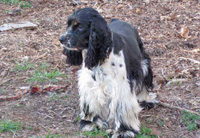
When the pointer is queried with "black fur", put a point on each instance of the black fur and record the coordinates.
(147, 105)
(123, 128)
(134, 53)
(84, 123)
(73, 57)
(99, 41)
(88, 30)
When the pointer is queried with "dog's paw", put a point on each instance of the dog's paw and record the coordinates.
(101, 123)
(147, 105)
(85, 125)
(124, 134)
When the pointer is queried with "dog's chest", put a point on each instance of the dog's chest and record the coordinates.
(101, 86)
(101, 80)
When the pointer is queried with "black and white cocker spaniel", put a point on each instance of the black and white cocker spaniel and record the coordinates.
(116, 77)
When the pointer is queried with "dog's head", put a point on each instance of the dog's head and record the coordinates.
(86, 30)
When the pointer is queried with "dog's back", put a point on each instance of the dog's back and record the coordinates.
(129, 32)
(136, 48)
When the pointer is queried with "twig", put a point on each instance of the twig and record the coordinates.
(1, 83)
(176, 107)
(175, 81)
(195, 61)
(38, 57)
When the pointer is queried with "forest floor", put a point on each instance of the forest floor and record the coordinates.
(25, 53)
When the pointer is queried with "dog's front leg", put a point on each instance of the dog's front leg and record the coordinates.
(124, 112)
(92, 101)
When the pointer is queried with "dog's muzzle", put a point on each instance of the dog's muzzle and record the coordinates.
(65, 42)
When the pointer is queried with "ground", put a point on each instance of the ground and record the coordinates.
(175, 61)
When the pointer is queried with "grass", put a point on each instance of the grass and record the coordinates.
(18, 106)
(22, 4)
(51, 136)
(188, 120)
(77, 119)
(53, 97)
(2, 90)
(40, 73)
(10, 126)
(95, 133)
(145, 133)
(160, 122)
(24, 66)
(41, 76)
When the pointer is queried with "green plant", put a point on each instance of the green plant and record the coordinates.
(42, 75)
(2, 90)
(24, 66)
(53, 96)
(188, 120)
(22, 4)
(95, 133)
(160, 122)
(51, 136)
(54, 136)
(145, 133)
(18, 106)
(63, 97)
(9, 126)
(77, 119)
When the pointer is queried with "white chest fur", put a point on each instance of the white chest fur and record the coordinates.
(106, 89)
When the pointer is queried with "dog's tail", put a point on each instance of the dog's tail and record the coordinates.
(148, 73)
(113, 20)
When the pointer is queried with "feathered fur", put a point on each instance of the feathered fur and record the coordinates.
(115, 78)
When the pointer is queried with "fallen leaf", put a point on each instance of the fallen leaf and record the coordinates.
(56, 42)
(193, 102)
(119, 6)
(147, 1)
(184, 32)
(164, 18)
(173, 16)
(138, 11)
(155, 132)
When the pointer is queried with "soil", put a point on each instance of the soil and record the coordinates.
(175, 61)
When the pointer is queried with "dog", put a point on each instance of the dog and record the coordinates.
(115, 81)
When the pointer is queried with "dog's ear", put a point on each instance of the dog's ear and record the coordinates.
(99, 42)
(73, 57)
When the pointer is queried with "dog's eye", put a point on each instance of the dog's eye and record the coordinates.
(80, 28)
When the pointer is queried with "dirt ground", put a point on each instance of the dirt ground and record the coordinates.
(175, 62)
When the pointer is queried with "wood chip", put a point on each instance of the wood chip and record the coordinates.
(10, 26)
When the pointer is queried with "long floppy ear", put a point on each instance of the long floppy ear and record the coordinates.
(99, 42)
(73, 57)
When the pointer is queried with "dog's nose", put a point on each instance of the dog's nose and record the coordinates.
(62, 39)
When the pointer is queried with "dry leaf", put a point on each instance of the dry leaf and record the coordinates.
(119, 6)
(156, 132)
(56, 42)
(147, 1)
(173, 16)
(163, 18)
(184, 32)
(138, 11)
(193, 102)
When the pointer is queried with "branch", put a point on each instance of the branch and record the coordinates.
(192, 60)
(176, 107)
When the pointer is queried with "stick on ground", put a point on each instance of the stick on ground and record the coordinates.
(176, 107)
